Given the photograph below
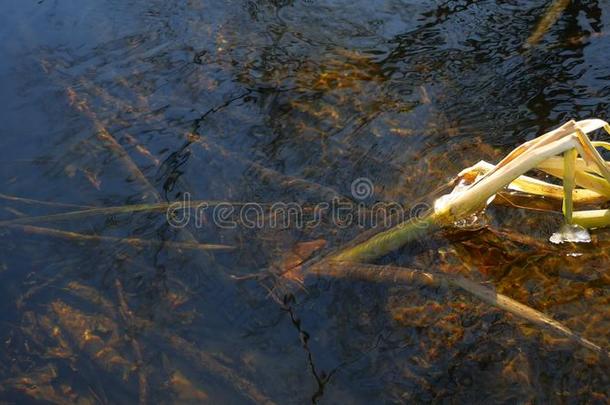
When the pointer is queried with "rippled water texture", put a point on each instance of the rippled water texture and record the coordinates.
(113, 103)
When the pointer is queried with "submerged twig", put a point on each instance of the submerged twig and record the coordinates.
(115, 148)
(108, 141)
(199, 358)
(264, 173)
(136, 242)
(40, 202)
(400, 274)
(546, 22)
(142, 150)
(318, 259)
(216, 368)
(129, 320)
(123, 209)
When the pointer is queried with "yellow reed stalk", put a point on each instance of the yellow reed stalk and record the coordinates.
(592, 218)
(569, 161)
(530, 185)
(570, 137)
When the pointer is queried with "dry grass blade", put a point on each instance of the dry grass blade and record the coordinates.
(135, 242)
(477, 195)
(567, 128)
(581, 165)
(583, 178)
(591, 155)
(530, 185)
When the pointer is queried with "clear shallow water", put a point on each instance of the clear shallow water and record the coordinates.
(284, 101)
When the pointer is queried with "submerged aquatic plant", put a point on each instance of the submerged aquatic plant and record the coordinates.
(586, 180)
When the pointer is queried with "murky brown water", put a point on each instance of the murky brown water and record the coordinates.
(108, 104)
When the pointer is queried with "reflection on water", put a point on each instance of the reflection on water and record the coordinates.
(115, 103)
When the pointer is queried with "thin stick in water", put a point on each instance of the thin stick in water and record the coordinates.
(128, 318)
(394, 274)
(136, 242)
(546, 22)
(32, 201)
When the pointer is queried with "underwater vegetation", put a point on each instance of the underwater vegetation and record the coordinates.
(135, 136)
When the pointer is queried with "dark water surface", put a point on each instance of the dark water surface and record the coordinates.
(114, 103)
